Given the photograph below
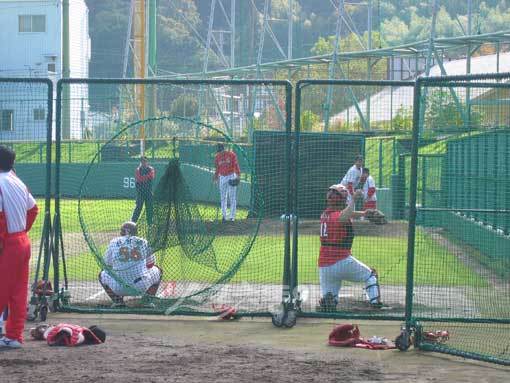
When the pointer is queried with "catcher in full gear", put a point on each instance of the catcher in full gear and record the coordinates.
(130, 266)
(336, 262)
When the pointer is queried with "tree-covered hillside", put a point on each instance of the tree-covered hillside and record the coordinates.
(180, 49)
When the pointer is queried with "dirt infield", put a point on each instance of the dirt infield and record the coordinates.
(161, 349)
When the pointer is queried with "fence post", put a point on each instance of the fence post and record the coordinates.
(411, 236)
(380, 163)
(398, 189)
(423, 180)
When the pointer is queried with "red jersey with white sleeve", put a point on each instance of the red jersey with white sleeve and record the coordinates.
(226, 164)
(352, 178)
(18, 209)
(336, 238)
(369, 190)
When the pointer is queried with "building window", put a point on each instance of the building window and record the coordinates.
(39, 114)
(52, 68)
(6, 120)
(32, 23)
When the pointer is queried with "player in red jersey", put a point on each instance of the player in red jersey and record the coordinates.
(18, 211)
(336, 262)
(227, 169)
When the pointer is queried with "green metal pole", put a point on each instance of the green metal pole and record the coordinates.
(151, 104)
(66, 72)
(394, 162)
(369, 61)
(423, 180)
(380, 163)
(411, 236)
(467, 121)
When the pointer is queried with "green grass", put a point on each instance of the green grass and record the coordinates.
(264, 262)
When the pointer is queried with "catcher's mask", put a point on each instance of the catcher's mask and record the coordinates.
(337, 194)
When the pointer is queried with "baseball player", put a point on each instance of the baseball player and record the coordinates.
(227, 169)
(369, 190)
(336, 262)
(353, 176)
(144, 174)
(130, 265)
(18, 212)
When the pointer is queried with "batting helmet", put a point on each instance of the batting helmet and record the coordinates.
(339, 193)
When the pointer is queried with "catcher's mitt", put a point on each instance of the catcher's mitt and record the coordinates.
(234, 182)
(344, 335)
(376, 216)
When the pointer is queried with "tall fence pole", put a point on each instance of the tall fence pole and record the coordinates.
(411, 236)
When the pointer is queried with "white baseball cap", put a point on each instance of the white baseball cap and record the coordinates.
(338, 187)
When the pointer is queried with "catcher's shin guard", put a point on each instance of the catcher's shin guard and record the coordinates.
(372, 289)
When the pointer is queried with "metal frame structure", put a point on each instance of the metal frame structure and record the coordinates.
(432, 50)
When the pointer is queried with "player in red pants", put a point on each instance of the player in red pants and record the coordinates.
(18, 211)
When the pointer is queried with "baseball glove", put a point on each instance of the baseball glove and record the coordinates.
(344, 335)
(234, 182)
(376, 216)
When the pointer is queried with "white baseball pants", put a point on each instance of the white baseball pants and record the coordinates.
(348, 269)
(229, 193)
(141, 283)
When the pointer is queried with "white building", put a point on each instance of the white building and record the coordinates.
(31, 44)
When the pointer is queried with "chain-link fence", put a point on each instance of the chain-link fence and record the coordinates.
(209, 259)
(351, 118)
(26, 113)
(461, 205)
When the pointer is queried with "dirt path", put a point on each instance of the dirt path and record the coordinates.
(161, 349)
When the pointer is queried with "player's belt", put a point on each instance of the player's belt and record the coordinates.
(332, 245)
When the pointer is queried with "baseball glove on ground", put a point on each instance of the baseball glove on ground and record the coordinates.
(376, 216)
(234, 182)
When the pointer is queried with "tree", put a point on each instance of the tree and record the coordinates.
(184, 106)
(309, 121)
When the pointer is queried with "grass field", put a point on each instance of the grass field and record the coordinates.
(434, 264)
(264, 262)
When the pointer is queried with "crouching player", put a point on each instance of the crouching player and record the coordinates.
(336, 262)
(130, 267)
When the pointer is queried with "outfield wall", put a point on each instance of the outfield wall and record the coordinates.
(117, 180)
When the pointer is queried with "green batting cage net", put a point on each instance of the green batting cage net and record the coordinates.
(26, 127)
(338, 121)
(462, 197)
(209, 260)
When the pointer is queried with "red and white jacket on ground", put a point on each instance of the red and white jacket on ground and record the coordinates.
(65, 334)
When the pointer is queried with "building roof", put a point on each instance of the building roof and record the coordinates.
(402, 97)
